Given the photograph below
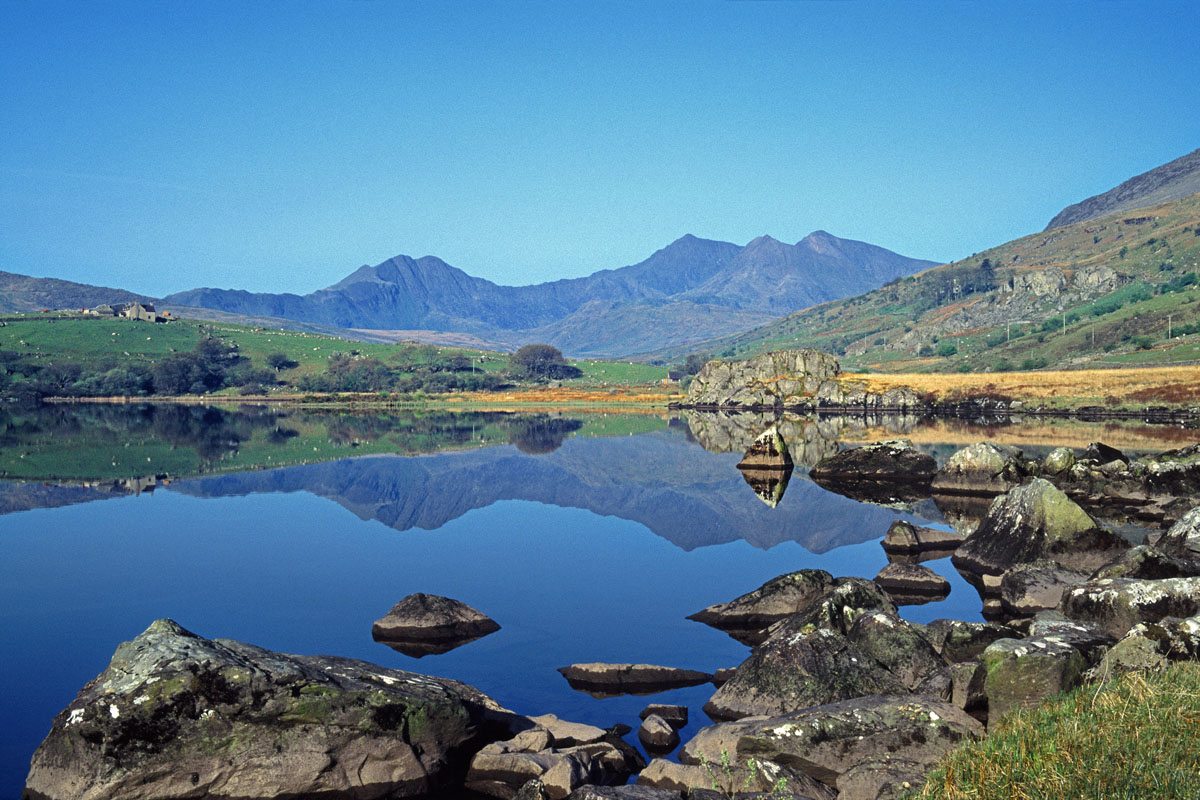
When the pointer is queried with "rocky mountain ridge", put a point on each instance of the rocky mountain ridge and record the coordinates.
(1174, 180)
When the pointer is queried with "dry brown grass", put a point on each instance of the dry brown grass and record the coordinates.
(1155, 385)
(1132, 437)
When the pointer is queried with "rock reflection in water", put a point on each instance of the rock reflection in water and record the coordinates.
(768, 484)
(418, 648)
(809, 438)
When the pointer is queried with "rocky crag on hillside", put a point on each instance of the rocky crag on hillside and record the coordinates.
(791, 379)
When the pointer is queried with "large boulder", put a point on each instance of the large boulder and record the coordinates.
(791, 671)
(894, 460)
(177, 715)
(746, 617)
(1021, 673)
(1152, 645)
(808, 658)
(985, 468)
(1117, 604)
(782, 378)
(898, 646)
(957, 641)
(1182, 540)
(730, 776)
(827, 741)
(1033, 522)
(425, 624)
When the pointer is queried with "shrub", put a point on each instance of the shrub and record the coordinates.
(947, 349)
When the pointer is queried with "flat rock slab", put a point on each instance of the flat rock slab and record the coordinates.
(610, 680)
(912, 584)
(904, 538)
(178, 715)
(829, 740)
(421, 618)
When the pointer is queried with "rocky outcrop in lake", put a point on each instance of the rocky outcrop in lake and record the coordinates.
(426, 624)
(178, 715)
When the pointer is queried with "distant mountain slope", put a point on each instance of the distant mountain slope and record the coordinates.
(24, 293)
(1112, 291)
(692, 289)
(1172, 181)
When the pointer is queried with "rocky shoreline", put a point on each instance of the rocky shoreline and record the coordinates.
(840, 696)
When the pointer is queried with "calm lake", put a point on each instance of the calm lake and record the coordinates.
(587, 537)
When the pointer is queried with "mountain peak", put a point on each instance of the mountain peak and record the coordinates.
(763, 241)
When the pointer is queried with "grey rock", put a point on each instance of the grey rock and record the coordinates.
(1150, 646)
(567, 734)
(896, 645)
(629, 792)
(894, 460)
(1022, 673)
(912, 584)
(178, 715)
(958, 641)
(1033, 522)
(425, 624)
(904, 538)
(1182, 540)
(829, 740)
(1146, 561)
(610, 680)
(675, 716)
(746, 617)
(657, 734)
(884, 778)
(1058, 460)
(769, 451)
(1117, 604)
(499, 773)
(985, 468)
(1037, 586)
(786, 377)
(1103, 454)
(733, 776)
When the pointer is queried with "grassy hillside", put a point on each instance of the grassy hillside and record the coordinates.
(1115, 291)
(67, 348)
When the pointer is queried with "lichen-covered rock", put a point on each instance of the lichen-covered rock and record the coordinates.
(785, 377)
(610, 680)
(1151, 646)
(912, 584)
(829, 740)
(1037, 586)
(1182, 540)
(904, 538)
(883, 778)
(958, 641)
(898, 646)
(1148, 562)
(985, 468)
(746, 617)
(837, 609)
(893, 460)
(791, 672)
(177, 715)
(733, 776)
(769, 451)
(1033, 522)
(1022, 673)
(1117, 604)
(1058, 461)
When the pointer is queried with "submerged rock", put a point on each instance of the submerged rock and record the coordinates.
(177, 715)
(746, 617)
(611, 680)
(985, 468)
(1033, 522)
(427, 624)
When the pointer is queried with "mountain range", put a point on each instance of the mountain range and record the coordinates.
(689, 290)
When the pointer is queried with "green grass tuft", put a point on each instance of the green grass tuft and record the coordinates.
(1137, 736)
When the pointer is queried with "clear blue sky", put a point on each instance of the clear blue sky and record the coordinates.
(276, 146)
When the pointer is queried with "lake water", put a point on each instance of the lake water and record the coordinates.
(588, 538)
